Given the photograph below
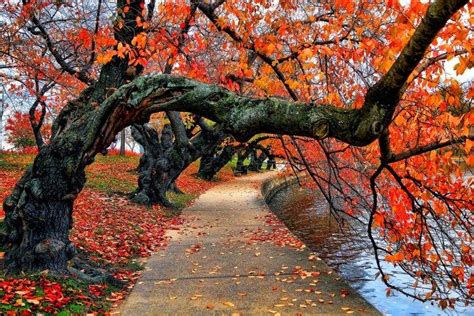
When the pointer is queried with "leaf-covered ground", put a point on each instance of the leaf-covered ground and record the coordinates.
(109, 230)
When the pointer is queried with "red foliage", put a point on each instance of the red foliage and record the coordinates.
(116, 152)
(20, 133)
(109, 228)
(113, 230)
(193, 185)
(39, 293)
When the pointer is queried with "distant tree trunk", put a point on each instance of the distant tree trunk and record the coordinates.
(240, 168)
(205, 165)
(271, 162)
(213, 162)
(253, 165)
(256, 160)
(261, 159)
(122, 143)
(152, 144)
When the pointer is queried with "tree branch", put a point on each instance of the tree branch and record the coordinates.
(388, 90)
(52, 49)
(427, 148)
(179, 130)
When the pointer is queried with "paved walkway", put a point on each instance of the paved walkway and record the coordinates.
(212, 266)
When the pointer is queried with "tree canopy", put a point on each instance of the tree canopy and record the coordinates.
(360, 88)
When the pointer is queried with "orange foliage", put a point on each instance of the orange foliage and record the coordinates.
(329, 52)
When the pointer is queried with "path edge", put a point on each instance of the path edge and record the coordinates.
(270, 187)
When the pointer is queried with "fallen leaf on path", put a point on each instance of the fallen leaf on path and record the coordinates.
(230, 304)
(210, 306)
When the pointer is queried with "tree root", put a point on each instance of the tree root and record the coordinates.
(86, 272)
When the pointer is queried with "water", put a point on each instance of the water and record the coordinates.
(306, 214)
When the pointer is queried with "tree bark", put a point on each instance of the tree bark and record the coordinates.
(214, 161)
(122, 143)
(240, 168)
(164, 160)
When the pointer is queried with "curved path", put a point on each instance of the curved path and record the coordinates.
(213, 266)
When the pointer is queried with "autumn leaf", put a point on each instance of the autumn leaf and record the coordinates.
(229, 304)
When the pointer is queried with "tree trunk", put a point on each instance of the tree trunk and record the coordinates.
(212, 163)
(164, 160)
(38, 213)
(253, 165)
(122, 143)
(39, 210)
(240, 168)
(271, 162)
(260, 160)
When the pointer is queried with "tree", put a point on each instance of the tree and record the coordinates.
(216, 158)
(20, 132)
(319, 48)
(3, 107)
(166, 156)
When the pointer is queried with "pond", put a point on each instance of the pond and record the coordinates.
(349, 253)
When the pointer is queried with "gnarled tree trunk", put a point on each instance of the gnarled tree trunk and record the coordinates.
(39, 210)
(240, 168)
(213, 162)
(164, 160)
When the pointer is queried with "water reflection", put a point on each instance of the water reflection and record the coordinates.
(348, 251)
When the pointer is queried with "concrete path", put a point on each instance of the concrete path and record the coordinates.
(214, 265)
